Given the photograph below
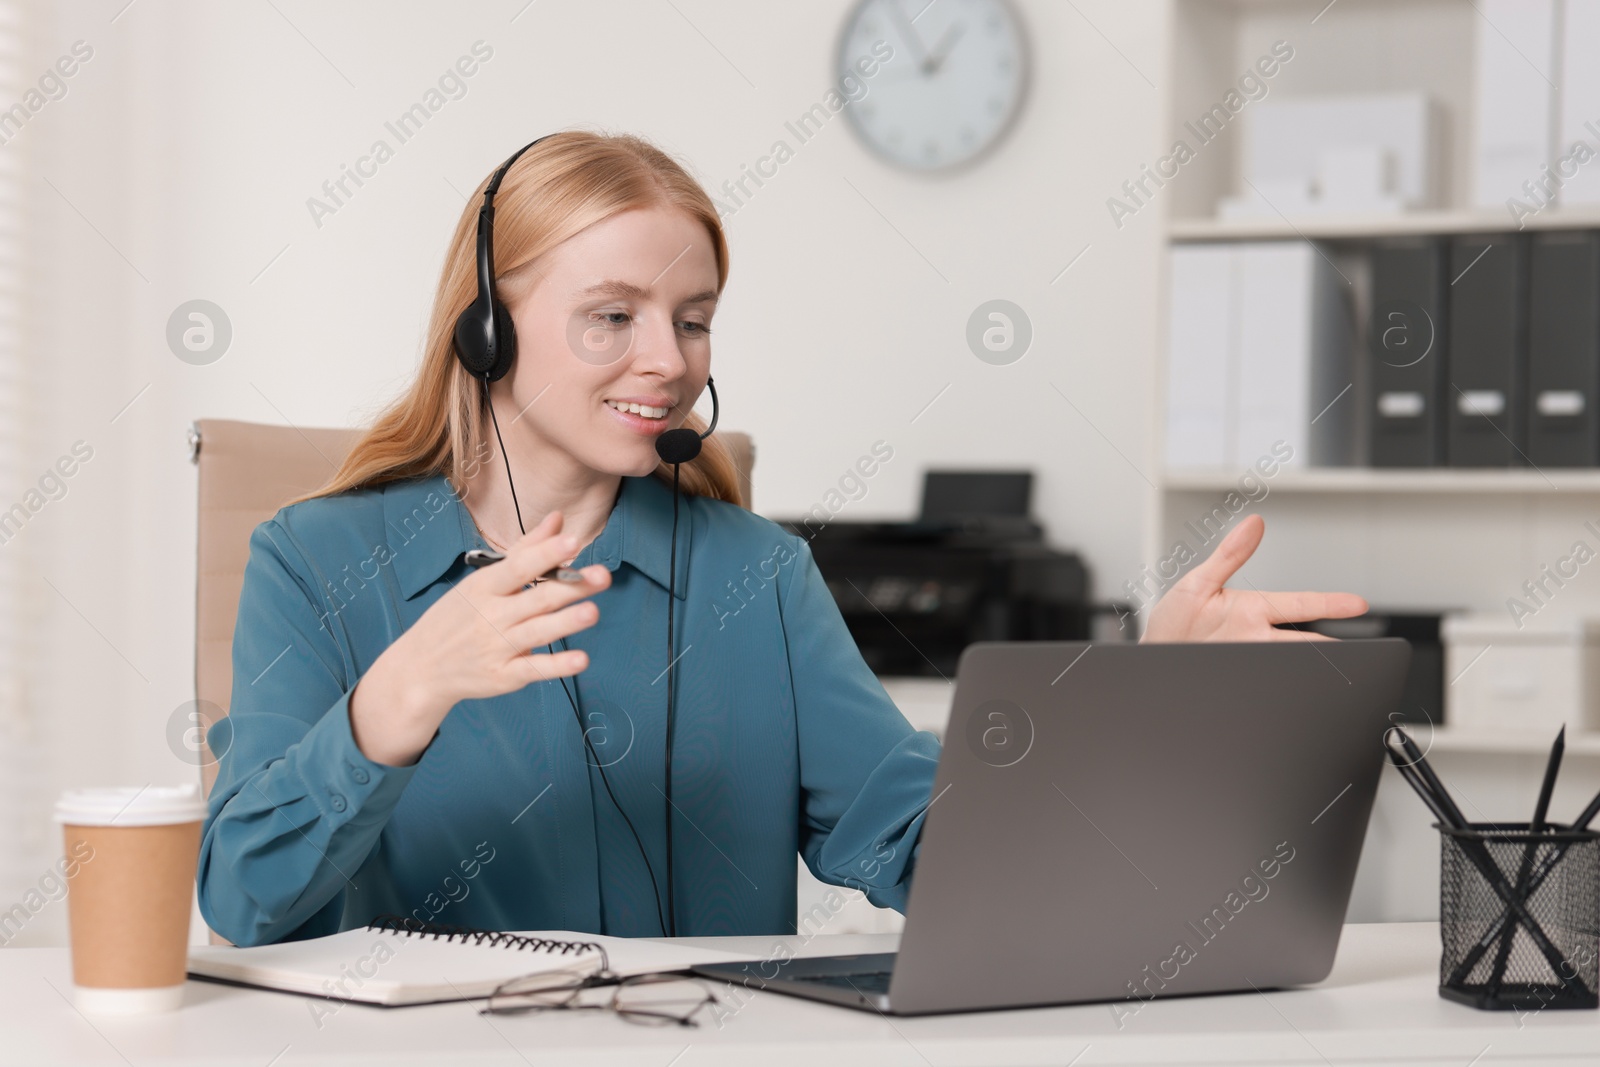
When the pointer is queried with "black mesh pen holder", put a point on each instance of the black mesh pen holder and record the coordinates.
(1519, 917)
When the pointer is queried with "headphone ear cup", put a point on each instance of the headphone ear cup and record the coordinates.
(472, 339)
(505, 335)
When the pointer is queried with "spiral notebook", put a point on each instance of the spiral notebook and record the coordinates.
(397, 961)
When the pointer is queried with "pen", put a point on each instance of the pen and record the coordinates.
(1414, 780)
(1420, 762)
(482, 557)
(1542, 807)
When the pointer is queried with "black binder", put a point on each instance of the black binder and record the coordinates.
(1488, 356)
(1563, 350)
(1407, 353)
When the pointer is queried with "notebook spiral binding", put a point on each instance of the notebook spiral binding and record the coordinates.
(411, 927)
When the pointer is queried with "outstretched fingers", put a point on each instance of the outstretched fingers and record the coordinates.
(1310, 606)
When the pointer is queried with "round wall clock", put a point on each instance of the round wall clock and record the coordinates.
(949, 90)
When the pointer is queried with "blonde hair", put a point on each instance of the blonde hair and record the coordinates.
(570, 181)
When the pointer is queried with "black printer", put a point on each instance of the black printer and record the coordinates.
(972, 567)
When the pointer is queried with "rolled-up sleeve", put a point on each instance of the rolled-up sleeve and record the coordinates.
(296, 808)
(865, 775)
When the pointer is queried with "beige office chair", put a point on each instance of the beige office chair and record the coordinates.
(247, 472)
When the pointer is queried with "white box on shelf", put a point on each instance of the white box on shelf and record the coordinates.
(1295, 367)
(1275, 341)
(1514, 96)
(1580, 99)
(1357, 177)
(1259, 351)
(1286, 140)
(1536, 678)
(1201, 324)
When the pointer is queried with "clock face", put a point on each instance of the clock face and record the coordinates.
(951, 86)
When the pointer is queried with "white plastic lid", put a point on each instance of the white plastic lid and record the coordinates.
(1501, 628)
(150, 805)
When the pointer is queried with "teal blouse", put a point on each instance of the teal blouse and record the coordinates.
(785, 740)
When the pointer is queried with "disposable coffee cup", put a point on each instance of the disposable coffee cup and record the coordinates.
(131, 856)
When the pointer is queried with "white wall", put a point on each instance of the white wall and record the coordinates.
(182, 157)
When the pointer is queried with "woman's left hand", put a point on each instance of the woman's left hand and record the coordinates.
(1199, 608)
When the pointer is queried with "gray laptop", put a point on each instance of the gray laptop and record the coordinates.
(1120, 822)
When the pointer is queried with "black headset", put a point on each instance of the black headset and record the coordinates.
(486, 339)
(486, 345)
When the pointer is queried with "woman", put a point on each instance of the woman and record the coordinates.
(393, 744)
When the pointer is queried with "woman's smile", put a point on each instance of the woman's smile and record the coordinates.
(645, 415)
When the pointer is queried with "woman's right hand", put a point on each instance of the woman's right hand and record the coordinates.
(474, 642)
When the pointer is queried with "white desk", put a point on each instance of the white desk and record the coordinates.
(1379, 1006)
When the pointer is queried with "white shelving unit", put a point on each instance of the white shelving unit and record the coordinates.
(1442, 538)
(1447, 538)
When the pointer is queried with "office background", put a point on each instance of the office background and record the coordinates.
(179, 161)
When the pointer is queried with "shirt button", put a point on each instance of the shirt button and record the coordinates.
(337, 802)
(360, 775)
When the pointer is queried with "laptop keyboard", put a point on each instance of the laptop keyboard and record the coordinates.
(871, 982)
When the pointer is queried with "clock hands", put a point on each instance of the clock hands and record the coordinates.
(928, 61)
(908, 30)
(941, 51)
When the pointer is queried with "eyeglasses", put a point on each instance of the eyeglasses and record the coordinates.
(658, 999)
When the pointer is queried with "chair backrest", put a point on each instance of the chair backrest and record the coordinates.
(247, 472)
